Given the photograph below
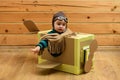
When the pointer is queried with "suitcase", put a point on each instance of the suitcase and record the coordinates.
(73, 59)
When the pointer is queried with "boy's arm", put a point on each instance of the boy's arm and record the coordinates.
(42, 44)
(40, 47)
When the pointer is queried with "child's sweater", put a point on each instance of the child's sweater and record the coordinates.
(44, 43)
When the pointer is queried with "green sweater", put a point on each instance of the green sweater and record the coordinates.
(44, 43)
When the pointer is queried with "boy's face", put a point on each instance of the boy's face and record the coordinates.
(60, 25)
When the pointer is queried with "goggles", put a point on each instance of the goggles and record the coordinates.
(61, 18)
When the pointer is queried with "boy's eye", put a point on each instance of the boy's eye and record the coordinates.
(58, 23)
(63, 24)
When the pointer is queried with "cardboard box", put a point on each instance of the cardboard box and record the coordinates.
(76, 53)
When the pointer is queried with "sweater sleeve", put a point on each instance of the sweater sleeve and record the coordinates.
(43, 44)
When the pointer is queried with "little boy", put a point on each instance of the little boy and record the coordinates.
(59, 24)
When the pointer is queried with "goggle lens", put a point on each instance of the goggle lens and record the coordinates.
(61, 18)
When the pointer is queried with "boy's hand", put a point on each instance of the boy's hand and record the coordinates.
(36, 50)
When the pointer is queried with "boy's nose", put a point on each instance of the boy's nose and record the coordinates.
(61, 26)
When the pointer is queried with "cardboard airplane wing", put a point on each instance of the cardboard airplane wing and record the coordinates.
(77, 57)
(48, 64)
(31, 26)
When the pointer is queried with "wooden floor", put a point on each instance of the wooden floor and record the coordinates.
(19, 63)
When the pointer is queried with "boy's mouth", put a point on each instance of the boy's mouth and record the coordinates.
(61, 30)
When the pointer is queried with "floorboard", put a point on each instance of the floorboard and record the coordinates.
(19, 63)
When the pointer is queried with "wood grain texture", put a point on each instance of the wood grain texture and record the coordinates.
(95, 28)
(98, 17)
(44, 17)
(31, 39)
(18, 63)
(18, 39)
(67, 6)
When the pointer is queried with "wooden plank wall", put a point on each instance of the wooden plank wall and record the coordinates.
(100, 17)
